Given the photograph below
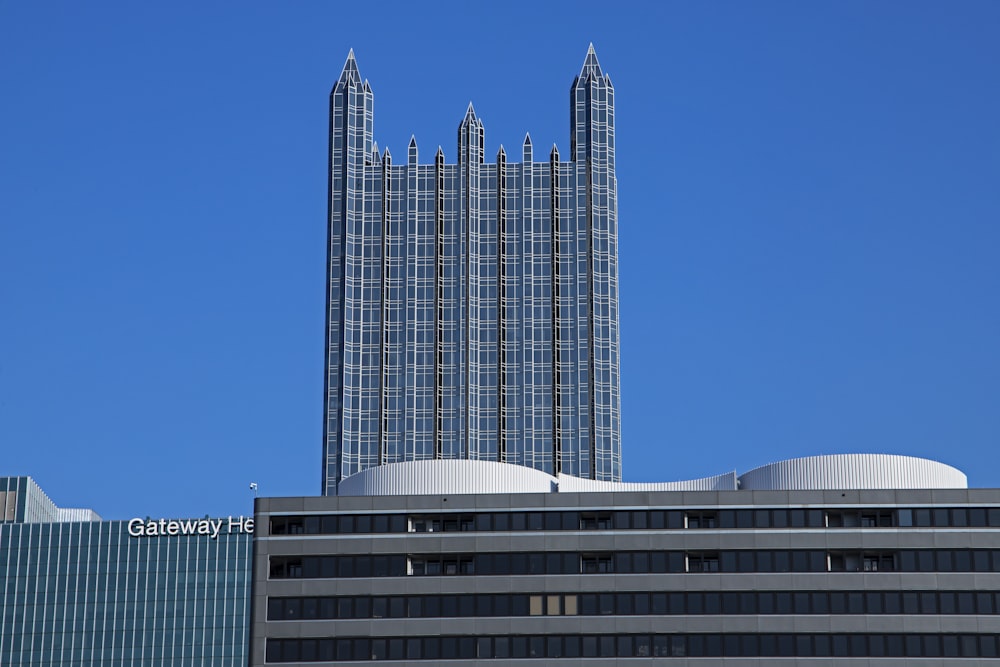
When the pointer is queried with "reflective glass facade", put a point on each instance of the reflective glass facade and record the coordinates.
(89, 594)
(473, 307)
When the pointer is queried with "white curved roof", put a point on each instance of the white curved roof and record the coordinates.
(446, 476)
(854, 471)
(724, 482)
(835, 471)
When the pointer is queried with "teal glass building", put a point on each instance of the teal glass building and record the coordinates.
(75, 590)
(472, 308)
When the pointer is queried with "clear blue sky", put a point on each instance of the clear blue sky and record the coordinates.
(809, 226)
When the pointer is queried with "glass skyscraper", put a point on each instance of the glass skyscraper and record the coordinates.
(472, 308)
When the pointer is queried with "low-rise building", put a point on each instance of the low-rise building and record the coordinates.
(76, 590)
(820, 561)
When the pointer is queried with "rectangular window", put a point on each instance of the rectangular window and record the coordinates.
(703, 562)
(702, 520)
(596, 564)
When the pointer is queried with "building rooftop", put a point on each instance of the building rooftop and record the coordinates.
(835, 471)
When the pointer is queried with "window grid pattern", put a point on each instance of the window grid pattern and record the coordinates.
(745, 561)
(89, 595)
(701, 645)
(654, 519)
(472, 308)
(635, 603)
(420, 310)
(393, 414)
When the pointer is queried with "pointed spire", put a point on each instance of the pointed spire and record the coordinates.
(554, 154)
(411, 151)
(527, 140)
(440, 154)
(350, 72)
(590, 65)
(502, 154)
(470, 114)
(386, 155)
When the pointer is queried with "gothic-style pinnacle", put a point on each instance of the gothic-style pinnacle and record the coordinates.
(590, 64)
(470, 113)
(501, 154)
(554, 154)
(527, 139)
(350, 71)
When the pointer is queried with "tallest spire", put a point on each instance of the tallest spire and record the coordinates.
(351, 72)
(590, 64)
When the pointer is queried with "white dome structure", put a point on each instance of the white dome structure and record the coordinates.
(834, 471)
(446, 476)
(854, 471)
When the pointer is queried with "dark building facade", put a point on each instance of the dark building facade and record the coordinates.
(472, 307)
(80, 591)
(826, 577)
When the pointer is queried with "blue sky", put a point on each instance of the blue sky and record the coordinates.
(809, 226)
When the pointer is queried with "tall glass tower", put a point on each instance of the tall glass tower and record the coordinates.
(472, 308)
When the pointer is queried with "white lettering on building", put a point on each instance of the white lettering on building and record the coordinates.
(208, 527)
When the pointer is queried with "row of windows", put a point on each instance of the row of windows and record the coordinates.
(634, 646)
(639, 603)
(925, 517)
(634, 562)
